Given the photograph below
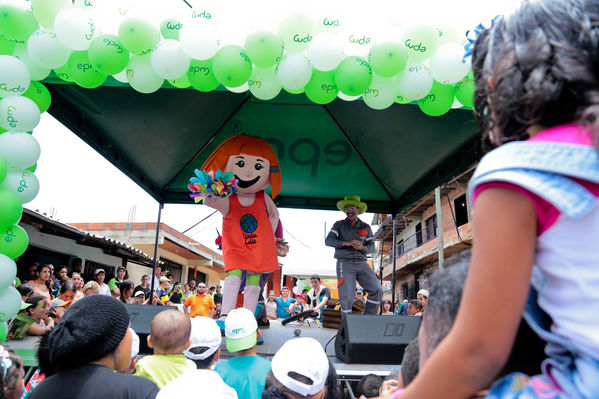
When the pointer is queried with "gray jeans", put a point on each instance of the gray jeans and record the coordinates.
(348, 272)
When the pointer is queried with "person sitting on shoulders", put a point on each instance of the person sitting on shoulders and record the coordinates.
(204, 351)
(169, 337)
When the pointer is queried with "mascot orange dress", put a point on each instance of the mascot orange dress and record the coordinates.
(250, 216)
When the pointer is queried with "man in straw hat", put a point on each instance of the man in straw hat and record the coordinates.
(352, 240)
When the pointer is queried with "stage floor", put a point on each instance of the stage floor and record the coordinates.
(277, 334)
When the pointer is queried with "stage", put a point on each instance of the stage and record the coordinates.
(277, 334)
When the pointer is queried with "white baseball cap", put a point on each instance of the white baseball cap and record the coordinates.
(303, 356)
(205, 333)
(423, 293)
(240, 330)
(134, 343)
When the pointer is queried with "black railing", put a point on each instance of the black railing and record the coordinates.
(417, 239)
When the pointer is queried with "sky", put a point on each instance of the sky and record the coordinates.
(79, 185)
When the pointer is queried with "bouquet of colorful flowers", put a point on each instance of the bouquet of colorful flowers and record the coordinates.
(282, 247)
(217, 184)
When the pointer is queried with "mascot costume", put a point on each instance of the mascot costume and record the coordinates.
(232, 181)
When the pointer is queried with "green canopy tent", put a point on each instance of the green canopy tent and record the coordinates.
(390, 158)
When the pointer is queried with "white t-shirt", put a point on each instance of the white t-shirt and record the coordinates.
(210, 384)
(104, 290)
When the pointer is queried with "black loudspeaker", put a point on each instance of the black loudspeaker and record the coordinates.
(375, 339)
(141, 316)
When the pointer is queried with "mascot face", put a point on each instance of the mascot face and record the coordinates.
(252, 172)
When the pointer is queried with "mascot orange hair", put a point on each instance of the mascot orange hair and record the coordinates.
(250, 216)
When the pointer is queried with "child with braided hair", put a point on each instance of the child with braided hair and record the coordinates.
(536, 210)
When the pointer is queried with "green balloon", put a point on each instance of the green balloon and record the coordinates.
(464, 90)
(13, 241)
(83, 72)
(33, 167)
(45, 11)
(264, 48)
(63, 73)
(108, 55)
(138, 36)
(170, 28)
(387, 59)
(438, 101)
(298, 91)
(321, 89)
(201, 76)
(39, 94)
(3, 331)
(3, 168)
(11, 208)
(6, 46)
(16, 21)
(353, 76)
(231, 66)
(181, 83)
(402, 100)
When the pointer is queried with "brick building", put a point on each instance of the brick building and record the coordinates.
(418, 239)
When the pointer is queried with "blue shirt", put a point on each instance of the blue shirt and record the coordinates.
(282, 306)
(245, 374)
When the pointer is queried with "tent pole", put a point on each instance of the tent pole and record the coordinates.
(382, 249)
(394, 216)
(440, 243)
(160, 206)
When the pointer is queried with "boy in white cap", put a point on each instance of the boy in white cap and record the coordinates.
(299, 370)
(204, 351)
(246, 372)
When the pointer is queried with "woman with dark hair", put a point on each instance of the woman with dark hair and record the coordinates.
(42, 285)
(79, 283)
(11, 377)
(65, 295)
(126, 291)
(26, 290)
(385, 309)
(38, 310)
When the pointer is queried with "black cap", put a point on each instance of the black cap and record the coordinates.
(92, 327)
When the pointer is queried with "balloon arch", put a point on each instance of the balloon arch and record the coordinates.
(318, 55)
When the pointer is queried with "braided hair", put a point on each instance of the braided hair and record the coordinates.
(538, 66)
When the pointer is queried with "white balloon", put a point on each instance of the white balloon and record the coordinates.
(239, 89)
(447, 64)
(14, 76)
(11, 303)
(141, 75)
(37, 72)
(199, 41)
(22, 182)
(121, 76)
(345, 97)
(168, 59)
(18, 114)
(19, 149)
(294, 71)
(45, 49)
(75, 28)
(8, 271)
(381, 93)
(456, 104)
(297, 290)
(415, 81)
(263, 83)
(89, 6)
(325, 51)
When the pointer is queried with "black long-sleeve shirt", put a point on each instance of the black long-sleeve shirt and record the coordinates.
(344, 231)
